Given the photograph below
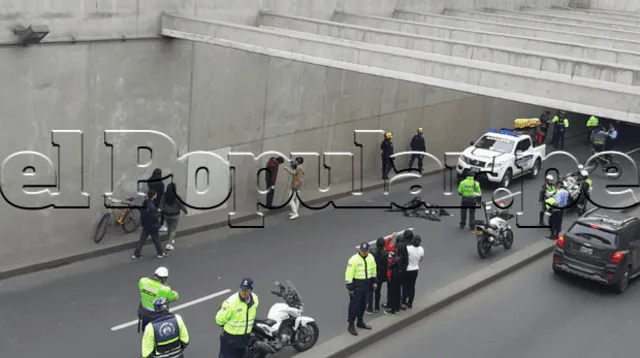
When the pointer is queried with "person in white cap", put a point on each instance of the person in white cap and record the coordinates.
(152, 288)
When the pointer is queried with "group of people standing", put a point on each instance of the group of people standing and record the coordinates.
(396, 264)
(417, 144)
(297, 177)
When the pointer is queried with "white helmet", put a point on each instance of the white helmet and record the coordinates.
(162, 272)
(580, 167)
(584, 173)
(549, 177)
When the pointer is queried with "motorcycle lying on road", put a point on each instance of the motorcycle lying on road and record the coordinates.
(494, 230)
(284, 326)
(415, 209)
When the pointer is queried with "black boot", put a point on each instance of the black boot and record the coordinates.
(541, 219)
(352, 329)
(363, 325)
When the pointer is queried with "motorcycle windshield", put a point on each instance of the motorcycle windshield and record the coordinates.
(295, 295)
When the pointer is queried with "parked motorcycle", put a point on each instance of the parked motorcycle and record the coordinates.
(494, 230)
(285, 325)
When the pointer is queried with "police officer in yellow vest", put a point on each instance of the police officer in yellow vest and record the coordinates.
(470, 191)
(592, 123)
(236, 317)
(166, 336)
(548, 189)
(561, 124)
(152, 288)
(360, 278)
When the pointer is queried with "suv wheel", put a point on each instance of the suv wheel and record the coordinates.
(506, 179)
(621, 286)
(536, 169)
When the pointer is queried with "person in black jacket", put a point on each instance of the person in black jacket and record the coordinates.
(155, 183)
(398, 278)
(150, 225)
(417, 145)
(387, 151)
(381, 256)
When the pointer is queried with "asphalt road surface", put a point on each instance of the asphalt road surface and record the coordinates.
(531, 313)
(70, 311)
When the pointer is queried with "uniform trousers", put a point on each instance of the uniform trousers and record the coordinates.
(358, 300)
(555, 222)
(233, 346)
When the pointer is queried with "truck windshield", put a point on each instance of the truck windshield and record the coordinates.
(495, 144)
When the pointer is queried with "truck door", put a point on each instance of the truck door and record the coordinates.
(523, 156)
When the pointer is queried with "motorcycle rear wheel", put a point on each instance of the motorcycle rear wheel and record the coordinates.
(312, 333)
(508, 240)
(484, 248)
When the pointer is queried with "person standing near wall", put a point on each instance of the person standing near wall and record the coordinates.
(562, 125)
(155, 183)
(417, 145)
(544, 125)
(150, 225)
(592, 124)
(398, 277)
(297, 174)
(171, 208)
(387, 151)
(270, 176)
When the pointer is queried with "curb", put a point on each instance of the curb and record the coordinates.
(345, 345)
(180, 233)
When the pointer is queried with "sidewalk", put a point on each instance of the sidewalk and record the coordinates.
(117, 241)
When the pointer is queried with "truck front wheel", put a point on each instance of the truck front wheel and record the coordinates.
(506, 179)
(536, 169)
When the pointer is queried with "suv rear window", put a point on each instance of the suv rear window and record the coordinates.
(589, 232)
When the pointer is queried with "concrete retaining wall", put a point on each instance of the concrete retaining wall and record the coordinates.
(545, 17)
(511, 29)
(548, 62)
(576, 50)
(616, 5)
(130, 18)
(586, 17)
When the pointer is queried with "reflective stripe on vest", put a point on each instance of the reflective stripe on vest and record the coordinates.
(166, 331)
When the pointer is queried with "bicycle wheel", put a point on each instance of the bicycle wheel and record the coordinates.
(101, 229)
(131, 221)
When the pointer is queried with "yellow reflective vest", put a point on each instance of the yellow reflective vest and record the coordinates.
(235, 316)
(360, 268)
(153, 346)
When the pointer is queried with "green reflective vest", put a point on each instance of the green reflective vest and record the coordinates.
(236, 316)
(150, 346)
(565, 123)
(469, 187)
(589, 182)
(549, 190)
(555, 119)
(550, 202)
(151, 289)
(592, 122)
(360, 268)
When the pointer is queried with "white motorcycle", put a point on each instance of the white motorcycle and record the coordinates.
(494, 230)
(578, 199)
(285, 325)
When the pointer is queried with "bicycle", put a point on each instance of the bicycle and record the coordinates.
(116, 217)
(608, 166)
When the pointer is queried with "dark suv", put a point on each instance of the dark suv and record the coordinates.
(601, 246)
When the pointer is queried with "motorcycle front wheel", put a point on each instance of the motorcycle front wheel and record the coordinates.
(484, 247)
(306, 337)
(508, 239)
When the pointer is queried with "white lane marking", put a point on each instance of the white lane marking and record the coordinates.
(372, 242)
(633, 151)
(176, 308)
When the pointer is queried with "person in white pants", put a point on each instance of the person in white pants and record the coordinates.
(297, 174)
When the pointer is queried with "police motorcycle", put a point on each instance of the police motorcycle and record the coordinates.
(494, 230)
(414, 209)
(574, 185)
(284, 326)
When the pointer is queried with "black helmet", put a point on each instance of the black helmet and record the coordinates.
(417, 240)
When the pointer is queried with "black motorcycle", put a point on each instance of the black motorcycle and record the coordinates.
(494, 230)
(610, 167)
(415, 209)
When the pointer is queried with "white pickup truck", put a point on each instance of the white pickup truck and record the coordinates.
(502, 155)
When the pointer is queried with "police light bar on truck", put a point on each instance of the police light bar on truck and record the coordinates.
(505, 132)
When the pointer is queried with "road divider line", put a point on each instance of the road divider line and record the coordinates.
(372, 242)
(176, 308)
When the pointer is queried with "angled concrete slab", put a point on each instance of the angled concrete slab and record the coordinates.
(631, 20)
(600, 12)
(492, 38)
(550, 90)
(560, 17)
(547, 62)
(496, 26)
(585, 29)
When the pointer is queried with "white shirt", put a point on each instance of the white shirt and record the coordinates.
(415, 254)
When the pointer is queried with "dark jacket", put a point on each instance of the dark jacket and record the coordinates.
(381, 256)
(149, 216)
(272, 171)
(387, 148)
(174, 208)
(418, 144)
(155, 183)
(400, 261)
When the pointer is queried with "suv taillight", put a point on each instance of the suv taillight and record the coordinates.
(560, 241)
(617, 257)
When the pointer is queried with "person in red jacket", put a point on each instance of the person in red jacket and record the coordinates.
(271, 174)
(407, 236)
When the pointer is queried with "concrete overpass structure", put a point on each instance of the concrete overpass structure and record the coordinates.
(261, 75)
